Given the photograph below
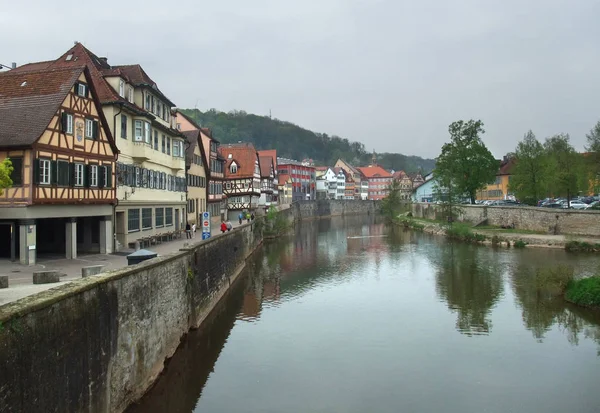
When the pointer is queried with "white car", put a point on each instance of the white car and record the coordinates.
(578, 204)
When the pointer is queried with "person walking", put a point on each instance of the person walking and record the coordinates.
(223, 227)
(229, 226)
(194, 230)
(248, 217)
(252, 216)
(188, 231)
(240, 217)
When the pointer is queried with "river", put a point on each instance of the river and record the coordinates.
(347, 316)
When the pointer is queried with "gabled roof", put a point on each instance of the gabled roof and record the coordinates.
(244, 155)
(374, 171)
(283, 179)
(352, 169)
(337, 170)
(208, 132)
(265, 163)
(506, 166)
(138, 77)
(193, 140)
(321, 168)
(272, 153)
(401, 175)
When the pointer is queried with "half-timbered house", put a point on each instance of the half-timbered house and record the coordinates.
(273, 154)
(267, 181)
(216, 201)
(63, 156)
(150, 174)
(195, 163)
(242, 178)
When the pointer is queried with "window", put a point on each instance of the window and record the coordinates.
(168, 146)
(44, 171)
(233, 168)
(147, 102)
(163, 143)
(79, 174)
(138, 131)
(155, 140)
(176, 148)
(81, 90)
(121, 88)
(146, 218)
(62, 172)
(67, 123)
(147, 133)
(17, 174)
(124, 126)
(130, 95)
(178, 126)
(168, 216)
(93, 175)
(133, 220)
(153, 104)
(89, 128)
(159, 217)
(160, 106)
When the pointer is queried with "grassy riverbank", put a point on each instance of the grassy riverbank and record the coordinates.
(584, 292)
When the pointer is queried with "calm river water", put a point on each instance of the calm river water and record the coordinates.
(345, 316)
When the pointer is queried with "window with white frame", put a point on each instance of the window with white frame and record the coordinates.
(177, 148)
(121, 88)
(130, 94)
(69, 125)
(147, 133)
(81, 90)
(93, 175)
(44, 171)
(233, 167)
(138, 131)
(79, 174)
(89, 128)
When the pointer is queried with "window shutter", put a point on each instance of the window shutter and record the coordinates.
(87, 91)
(86, 175)
(108, 183)
(101, 180)
(53, 173)
(95, 129)
(76, 89)
(36, 171)
(71, 174)
(63, 121)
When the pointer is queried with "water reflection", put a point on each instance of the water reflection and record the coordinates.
(469, 279)
(347, 315)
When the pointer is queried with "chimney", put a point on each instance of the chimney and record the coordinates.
(103, 59)
(13, 65)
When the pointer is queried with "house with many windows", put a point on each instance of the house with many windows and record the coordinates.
(151, 184)
(272, 153)
(379, 180)
(498, 189)
(405, 183)
(242, 178)
(63, 154)
(268, 184)
(303, 177)
(355, 175)
(195, 164)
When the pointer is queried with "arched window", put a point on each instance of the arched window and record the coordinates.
(233, 168)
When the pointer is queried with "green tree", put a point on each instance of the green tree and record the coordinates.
(528, 180)
(593, 158)
(391, 205)
(465, 165)
(5, 172)
(565, 171)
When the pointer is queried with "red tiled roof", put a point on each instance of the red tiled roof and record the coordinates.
(265, 163)
(283, 179)
(244, 155)
(29, 100)
(374, 172)
(272, 153)
(506, 166)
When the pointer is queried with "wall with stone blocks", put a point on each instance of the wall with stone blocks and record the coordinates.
(551, 221)
(98, 343)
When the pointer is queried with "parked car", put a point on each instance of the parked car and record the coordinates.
(576, 204)
(593, 205)
(555, 205)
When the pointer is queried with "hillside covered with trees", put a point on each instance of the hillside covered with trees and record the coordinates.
(295, 142)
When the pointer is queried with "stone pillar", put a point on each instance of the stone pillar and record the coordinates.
(106, 238)
(27, 239)
(71, 238)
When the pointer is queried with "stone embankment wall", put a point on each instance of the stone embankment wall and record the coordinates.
(326, 208)
(97, 344)
(551, 221)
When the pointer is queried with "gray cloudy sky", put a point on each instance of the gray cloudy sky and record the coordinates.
(389, 73)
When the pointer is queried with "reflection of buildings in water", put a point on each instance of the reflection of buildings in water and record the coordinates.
(252, 302)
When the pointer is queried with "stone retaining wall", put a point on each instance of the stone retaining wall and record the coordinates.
(551, 221)
(98, 343)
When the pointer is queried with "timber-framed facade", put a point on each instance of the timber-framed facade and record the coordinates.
(63, 188)
(242, 178)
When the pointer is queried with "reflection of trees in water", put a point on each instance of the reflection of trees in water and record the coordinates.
(470, 281)
(541, 309)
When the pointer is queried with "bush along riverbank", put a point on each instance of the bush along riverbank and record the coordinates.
(275, 224)
(584, 292)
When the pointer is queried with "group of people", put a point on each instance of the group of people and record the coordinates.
(245, 215)
(190, 230)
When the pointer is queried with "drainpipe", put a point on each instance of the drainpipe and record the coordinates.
(114, 217)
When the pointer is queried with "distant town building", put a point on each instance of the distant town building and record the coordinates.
(303, 178)
(379, 181)
(242, 178)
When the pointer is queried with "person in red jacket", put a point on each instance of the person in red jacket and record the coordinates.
(223, 227)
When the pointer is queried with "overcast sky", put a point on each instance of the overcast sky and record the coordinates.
(389, 73)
